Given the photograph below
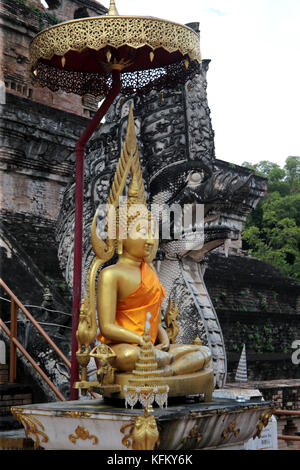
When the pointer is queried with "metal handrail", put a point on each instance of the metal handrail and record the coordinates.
(40, 307)
(282, 437)
(32, 362)
(14, 343)
(57, 325)
(16, 301)
(287, 412)
(287, 437)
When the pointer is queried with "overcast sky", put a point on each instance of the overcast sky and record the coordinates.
(254, 75)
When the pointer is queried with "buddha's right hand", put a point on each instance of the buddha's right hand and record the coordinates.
(141, 342)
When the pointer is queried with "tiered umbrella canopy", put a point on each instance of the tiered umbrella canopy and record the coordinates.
(150, 53)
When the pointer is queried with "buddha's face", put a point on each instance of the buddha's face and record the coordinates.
(140, 239)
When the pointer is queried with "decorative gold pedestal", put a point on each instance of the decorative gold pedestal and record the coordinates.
(180, 385)
(105, 390)
(96, 425)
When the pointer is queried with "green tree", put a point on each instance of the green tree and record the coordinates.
(272, 231)
(292, 168)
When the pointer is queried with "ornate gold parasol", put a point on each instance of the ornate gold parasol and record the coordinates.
(104, 56)
(78, 56)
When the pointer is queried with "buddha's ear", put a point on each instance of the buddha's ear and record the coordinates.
(154, 229)
(120, 247)
(153, 251)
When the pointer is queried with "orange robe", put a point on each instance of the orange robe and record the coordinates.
(147, 297)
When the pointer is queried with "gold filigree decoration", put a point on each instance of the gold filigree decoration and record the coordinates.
(99, 32)
(77, 414)
(263, 422)
(143, 433)
(104, 250)
(105, 372)
(116, 65)
(126, 439)
(197, 341)
(32, 425)
(86, 332)
(82, 433)
(171, 318)
(231, 429)
(194, 434)
(128, 161)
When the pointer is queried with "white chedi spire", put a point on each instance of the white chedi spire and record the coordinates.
(147, 325)
(241, 372)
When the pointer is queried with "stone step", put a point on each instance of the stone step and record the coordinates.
(198, 289)
(208, 315)
(15, 440)
(212, 324)
(3, 373)
(12, 395)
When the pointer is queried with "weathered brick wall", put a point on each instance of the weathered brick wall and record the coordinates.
(38, 132)
(29, 262)
(37, 156)
(258, 307)
(37, 159)
(31, 196)
(267, 366)
(20, 23)
(69, 9)
(285, 395)
(8, 400)
(262, 332)
(3, 373)
(245, 284)
(13, 395)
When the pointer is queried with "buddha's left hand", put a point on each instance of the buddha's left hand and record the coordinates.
(163, 346)
(163, 339)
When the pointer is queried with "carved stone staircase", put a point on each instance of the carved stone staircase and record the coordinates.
(193, 277)
(13, 390)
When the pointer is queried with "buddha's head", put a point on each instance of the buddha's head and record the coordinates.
(136, 228)
(128, 223)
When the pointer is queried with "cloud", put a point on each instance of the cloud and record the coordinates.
(216, 11)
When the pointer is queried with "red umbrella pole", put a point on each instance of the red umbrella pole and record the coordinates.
(79, 182)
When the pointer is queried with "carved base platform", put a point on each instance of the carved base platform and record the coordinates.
(199, 383)
(96, 425)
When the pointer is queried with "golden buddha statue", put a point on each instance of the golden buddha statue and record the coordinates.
(130, 289)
